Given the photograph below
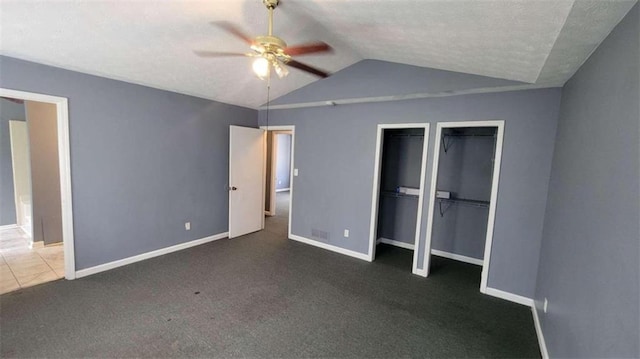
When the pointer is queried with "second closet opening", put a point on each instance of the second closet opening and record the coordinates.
(463, 194)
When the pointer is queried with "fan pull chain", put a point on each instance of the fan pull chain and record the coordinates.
(268, 97)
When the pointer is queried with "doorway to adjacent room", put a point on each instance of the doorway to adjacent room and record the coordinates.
(279, 179)
(36, 237)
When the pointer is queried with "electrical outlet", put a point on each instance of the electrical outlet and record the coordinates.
(187, 226)
(279, 182)
(346, 233)
(546, 303)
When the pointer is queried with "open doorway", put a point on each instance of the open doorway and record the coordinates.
(463, 197)
(36, 231)
(31, 241)
(398, 192)
(279, 178)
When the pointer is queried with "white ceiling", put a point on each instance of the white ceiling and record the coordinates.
(151, 42)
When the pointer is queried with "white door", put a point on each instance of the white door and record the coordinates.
(246, 180)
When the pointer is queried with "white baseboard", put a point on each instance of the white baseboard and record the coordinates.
(8, 226)
(330, 247)
(541, 342)
(140, 257)
(457, 257)
(509, 296)
(393, 242)
(283, 190)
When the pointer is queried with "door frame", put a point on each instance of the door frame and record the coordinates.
(274, 161)
(292, 129)
(64, 161)
(495, 179)
(377, 168)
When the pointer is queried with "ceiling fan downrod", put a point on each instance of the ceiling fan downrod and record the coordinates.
(271, 5)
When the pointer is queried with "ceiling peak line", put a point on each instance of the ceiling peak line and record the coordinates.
(555, 40)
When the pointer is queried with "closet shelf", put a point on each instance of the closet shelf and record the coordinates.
(446, 144)
(397, 195)
(462, 201)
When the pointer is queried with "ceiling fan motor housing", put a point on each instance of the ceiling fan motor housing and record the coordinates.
(272, 43)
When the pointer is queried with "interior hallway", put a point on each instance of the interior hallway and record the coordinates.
(279, 224)
(22, 267)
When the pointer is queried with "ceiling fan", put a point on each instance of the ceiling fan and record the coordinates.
(271, 51)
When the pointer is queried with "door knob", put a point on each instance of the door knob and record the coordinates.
(234, 188)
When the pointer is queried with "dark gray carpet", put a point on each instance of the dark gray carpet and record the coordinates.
(265, 296)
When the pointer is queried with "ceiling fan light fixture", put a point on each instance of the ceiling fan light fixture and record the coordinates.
(269, 50)
(261, 67)
(281, 70)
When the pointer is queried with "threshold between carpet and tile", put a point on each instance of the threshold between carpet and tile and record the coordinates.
(22, 267)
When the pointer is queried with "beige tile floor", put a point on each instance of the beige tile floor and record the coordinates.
(21, 266)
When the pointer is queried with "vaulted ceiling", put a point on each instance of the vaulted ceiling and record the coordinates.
(540, 42)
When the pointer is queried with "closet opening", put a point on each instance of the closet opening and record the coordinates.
(396, 218)
(463, 195)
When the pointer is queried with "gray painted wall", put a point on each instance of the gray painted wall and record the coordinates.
(283, 161)
(590, 250)
(143, 161)
(400, 167)
(335, 150)
(8, 111)
(465, 170)
(381, 78)
(45, 172)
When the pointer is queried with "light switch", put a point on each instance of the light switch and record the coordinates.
(295, 172)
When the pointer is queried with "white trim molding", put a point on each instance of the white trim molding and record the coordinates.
(64, 159)
(330, 247)
(509, 296)
(8, 226)
(282, 190)
(457, 257)
(413, 96)
(393, 242)
(140, 257)
(541, 341)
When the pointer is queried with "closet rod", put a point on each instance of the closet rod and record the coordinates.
(462, 201)
(467, 135)
(447, 144)
(407, 135)
(398, 195)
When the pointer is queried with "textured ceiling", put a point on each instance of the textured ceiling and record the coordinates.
(151, 42)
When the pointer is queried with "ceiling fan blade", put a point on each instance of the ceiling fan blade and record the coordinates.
(307, 68)
(218, 54)
(233, 30)
(309, 48)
